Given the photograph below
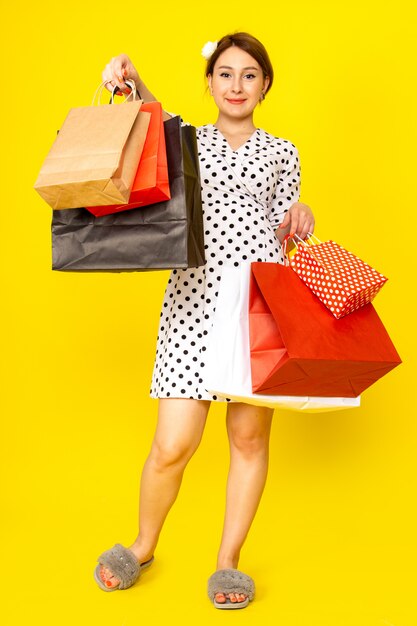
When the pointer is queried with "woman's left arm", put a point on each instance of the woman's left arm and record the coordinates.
(299, 220)
(286, 214)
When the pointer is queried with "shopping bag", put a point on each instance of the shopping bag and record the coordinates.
(341, 280)
(162, 236)
(227, 359)
(151, 184)
(298, 348)
(95, 156)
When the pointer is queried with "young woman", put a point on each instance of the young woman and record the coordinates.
(250, 187)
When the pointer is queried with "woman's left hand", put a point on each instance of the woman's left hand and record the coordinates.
(299, 220)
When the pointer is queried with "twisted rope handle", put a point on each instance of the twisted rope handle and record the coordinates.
(296, 239)
(99, 91)
(134, 91)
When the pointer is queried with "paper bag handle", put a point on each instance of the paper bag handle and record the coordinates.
(134, 91)
(309, 236)
(294, 239)
(99, 91)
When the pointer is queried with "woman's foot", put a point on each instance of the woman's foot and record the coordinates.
(221, 598)
(106, 574)
(233, 597)
(107, 577)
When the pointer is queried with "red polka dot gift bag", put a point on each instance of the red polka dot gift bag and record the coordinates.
(341, 280)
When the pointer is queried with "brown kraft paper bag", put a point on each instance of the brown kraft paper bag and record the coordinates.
(94, 159)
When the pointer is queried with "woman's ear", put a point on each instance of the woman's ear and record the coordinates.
(267, 80)
(209, 80)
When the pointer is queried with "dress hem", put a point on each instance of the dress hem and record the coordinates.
(183, 397)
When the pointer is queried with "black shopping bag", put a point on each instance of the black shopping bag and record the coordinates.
(166, 235)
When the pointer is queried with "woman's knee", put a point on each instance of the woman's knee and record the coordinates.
(179, 431)
(249, 430)
(249, 443)
(172, 453)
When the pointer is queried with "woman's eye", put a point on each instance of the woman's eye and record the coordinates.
(228, 75)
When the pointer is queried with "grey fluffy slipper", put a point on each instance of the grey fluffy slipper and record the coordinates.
(123, 565)
(230, 581)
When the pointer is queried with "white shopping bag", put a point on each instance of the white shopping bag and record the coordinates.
(228, 371)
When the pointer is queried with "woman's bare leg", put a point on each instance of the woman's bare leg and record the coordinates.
(248, 429)
(178, 433)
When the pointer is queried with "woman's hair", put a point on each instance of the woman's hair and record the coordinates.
(249, 44)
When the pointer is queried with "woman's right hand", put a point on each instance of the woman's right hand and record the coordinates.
(118, 71)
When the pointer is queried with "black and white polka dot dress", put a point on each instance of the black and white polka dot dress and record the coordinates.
(245, 194)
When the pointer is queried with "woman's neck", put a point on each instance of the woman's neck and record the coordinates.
(233, 127)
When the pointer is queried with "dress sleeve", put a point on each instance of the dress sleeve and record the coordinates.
(288, 187)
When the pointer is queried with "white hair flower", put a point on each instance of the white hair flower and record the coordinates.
(208, 49)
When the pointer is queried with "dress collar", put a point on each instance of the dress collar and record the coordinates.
(211, 137)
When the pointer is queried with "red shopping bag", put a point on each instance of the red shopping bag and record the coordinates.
(341, 280)
(297, 348)
(151, 183)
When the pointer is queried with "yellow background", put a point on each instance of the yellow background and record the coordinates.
(334, 540)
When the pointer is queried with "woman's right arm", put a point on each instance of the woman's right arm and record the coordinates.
(120, 69)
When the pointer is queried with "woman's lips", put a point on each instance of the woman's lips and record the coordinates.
(235, 101)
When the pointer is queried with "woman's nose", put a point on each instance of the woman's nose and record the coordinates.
(236, 86)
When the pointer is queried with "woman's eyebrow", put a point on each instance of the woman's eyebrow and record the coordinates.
(228, 67)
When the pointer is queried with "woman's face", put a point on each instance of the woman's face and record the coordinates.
(237, 83)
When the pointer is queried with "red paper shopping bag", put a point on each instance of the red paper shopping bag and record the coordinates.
(151, 183)
(341, 280)
(298, 348)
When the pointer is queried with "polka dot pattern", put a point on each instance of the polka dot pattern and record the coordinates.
(341, 280)
(245, 195)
